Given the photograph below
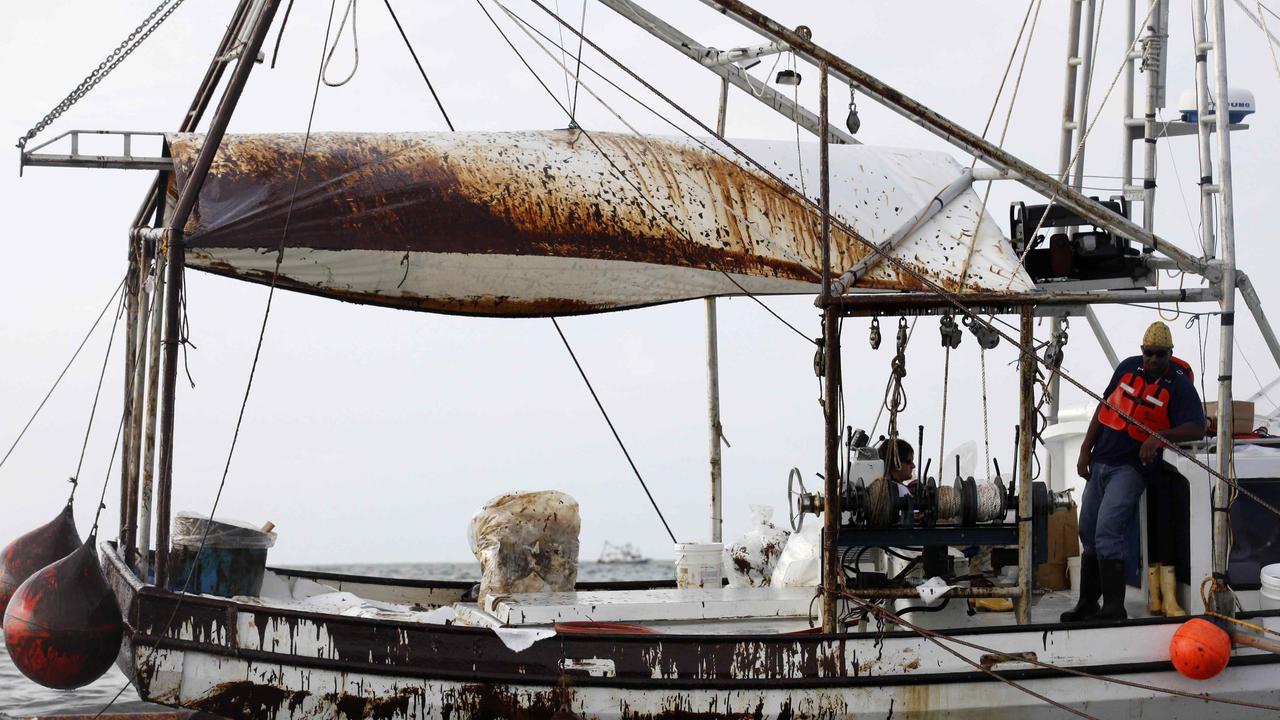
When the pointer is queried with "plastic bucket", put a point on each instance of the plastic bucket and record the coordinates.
(699, 565)
(213, 557)
(1073, 571)
(1269, 592)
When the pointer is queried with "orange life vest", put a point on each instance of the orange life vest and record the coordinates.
(1148, 403)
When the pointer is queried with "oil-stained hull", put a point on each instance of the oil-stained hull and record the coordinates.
(560, 222)
(249, 661)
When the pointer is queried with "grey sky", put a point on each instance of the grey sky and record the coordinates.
(373, 435)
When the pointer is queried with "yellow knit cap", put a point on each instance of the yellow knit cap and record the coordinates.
(1157, 336)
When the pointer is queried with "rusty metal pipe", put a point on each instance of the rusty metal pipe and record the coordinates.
(175, 259)
(958, 136)
(921, 216)
(147, 477)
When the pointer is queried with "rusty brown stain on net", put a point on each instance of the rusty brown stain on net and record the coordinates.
(498, 194)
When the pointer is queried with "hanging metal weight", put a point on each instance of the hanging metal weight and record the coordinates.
(950, 331)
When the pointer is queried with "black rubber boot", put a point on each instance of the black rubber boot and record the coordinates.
(1112, 574)
(1089, 591)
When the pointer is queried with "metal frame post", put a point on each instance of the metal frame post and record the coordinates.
(1154, 67)
(1204, 141)
(831, 390)
(175, 260)
(1226, 332)
(713, 376)
(132, 283)
(1027, 414)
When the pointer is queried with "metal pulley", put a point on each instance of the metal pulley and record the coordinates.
(950, 331)
(875, 333)
(800, 501)
(1053, 353)
(852, 121)
(987, 337)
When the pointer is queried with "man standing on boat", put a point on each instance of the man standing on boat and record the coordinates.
(1118, 458)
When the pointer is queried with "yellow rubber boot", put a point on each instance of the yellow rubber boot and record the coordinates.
(1153, 590)
(1169, 592)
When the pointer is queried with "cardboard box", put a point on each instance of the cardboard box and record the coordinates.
(1064, 542)
(1241, 416)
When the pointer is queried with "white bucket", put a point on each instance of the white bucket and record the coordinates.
(1073, 572)
(1269, 593)
(699, 565)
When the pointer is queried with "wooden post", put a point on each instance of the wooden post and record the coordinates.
(831, 389)
(132, 284)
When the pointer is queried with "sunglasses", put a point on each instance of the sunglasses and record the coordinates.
(1147, 352)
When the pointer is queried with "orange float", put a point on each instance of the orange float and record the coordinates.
(1200, 649)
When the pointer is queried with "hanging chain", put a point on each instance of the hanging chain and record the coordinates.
(122, 51)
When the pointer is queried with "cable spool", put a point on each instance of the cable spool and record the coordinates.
(880, 503)
(990, 504)
(948, 502)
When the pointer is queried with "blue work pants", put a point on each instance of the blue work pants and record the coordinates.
(1107, 508)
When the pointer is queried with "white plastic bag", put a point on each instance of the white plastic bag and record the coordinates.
(801, 562)
(527, 542)
(749, 561)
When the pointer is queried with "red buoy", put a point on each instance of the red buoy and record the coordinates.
(39, 548)
(62, 626)
(1199, 649)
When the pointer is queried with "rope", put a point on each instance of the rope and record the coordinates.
(612, 429)
(937, 638)
(112, 61)
(986, 427)
(355, 46)
(880, 494)
(942, 430)
(884, 614)
(417, 62)
(910, 331)
(1027, 352)
(577, 74)
(990, 506)
(1211, 585)
(1266, 34)
(895, 397)
(949, 504)
(62, 374)
(75, 479)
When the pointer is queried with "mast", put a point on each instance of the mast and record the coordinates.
(713, 376)
(1221, 116)
(257, 26)
(831, 568)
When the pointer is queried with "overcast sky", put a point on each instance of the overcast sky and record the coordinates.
(373, 435)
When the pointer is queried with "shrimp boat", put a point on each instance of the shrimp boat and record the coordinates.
(624, 554)
(560, 222)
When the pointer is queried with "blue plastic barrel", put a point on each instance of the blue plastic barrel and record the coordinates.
(217, 557)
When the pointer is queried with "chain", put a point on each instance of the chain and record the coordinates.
(122, 51)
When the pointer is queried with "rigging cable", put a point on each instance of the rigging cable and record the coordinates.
(62, 374)
(614, 165)
(612, 429)
(1027, 352)
(577, 75)
(75, 479)
(417, 62)
(355, 46)
(938, 638)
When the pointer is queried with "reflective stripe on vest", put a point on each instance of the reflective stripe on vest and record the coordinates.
(1148, 403)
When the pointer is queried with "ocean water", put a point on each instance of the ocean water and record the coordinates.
(19, 697)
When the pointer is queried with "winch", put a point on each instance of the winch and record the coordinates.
(876, 511)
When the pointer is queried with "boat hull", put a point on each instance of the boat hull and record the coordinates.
(242, 660)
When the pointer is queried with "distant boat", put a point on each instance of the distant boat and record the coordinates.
(624, 554)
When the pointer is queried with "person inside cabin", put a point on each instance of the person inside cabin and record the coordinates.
(900, 463)
(1118, 458)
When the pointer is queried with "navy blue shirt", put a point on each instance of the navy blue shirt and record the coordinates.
(1115, 447)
